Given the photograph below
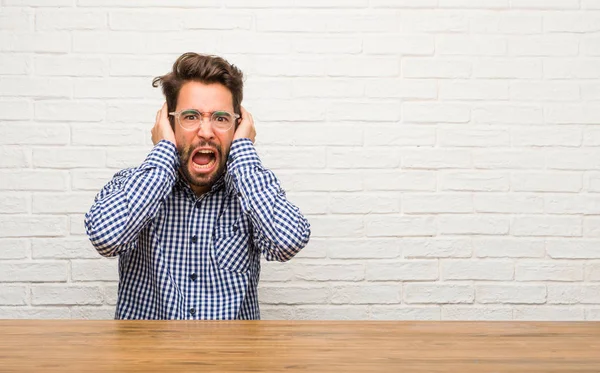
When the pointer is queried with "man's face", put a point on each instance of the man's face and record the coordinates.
(203, 152)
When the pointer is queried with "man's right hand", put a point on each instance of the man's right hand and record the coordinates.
(162, 127)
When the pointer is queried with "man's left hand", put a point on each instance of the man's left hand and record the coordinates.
(245, 129)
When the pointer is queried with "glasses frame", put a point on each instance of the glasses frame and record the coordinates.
(177, 115)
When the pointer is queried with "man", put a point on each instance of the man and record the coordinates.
(190, 223)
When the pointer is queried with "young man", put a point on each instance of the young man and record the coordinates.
(190, 223)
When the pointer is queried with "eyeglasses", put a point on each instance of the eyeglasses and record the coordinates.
(190, 119)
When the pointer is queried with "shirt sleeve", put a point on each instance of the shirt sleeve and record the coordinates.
(130, 200)
(280, 229)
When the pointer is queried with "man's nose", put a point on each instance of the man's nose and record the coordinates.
(205, 128)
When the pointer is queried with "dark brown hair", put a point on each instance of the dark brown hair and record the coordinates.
(201, 68)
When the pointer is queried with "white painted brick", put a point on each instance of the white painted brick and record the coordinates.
(571, 22)
(544, 91)
(321, 182)
(371, 248)
(482, 181)
(333, 4)
(405, 313)
(508, 68)
(353, 203)
(66, 65)
(544, 136)
(536, 225)
(31, 226)
(109, 135)
(118, 87)
(69, 157)
(593, 181)
(52, 203)
(590, 4)
(472, 137)
(92, 313)
(357, 158)
(573, 159)
(590, 90)
(404, 3)
(14, 248)
(436, 159)
(69, 111)
(15, 64)
(592, 271)
(310, 203)
(438, 293)
(272, 88)
(291, 66)
(547, 45)
(302, 133)
(405, 270)
(279, 294)
(573, 249)
(549, 271)
(336, 226)
(120, 157)
(435, 112)
(470, 45)
(363, 66)
(151, 3)
(545, 4)
(15, 157)
(288, 158)
(571, 68)
(289, 110)
(65, 295)
(16, 19)
(572, 294)
(12, 295)
(327, 44)
(216, 20)
(510, 293)
(494, 270)
(315, 87)
(436, 68)
(366, 294)
(437, 203)
(329, 272)
(591, 137)
(14, 203)
(508, 203)
(109, 294)
(94, 270)
(69, 19)
(17, 86)
(46, 271)
(586, 113)
(364, 111)
(405, 135)
(498, 247)
(546, 182)
(330, 312)
(62, 248)
(473, 90)
(548, 314)
(37, 313)
(166, 20)
(139, 66)
(475, 4)
(401, 181)
(42, 42)
(591, 46)
(40, 3)
(401, 88)
(505, 23)
(468, 313)
(275, 272)
(591, 226)
(22, 180)
(508, 114)
(573, 204)
(425, 21)
(394, 225)
(405, 45)
(473, 224)
(508, 159)
(367, 23)
(291, 22)
(436, 247)
(593, 314)
(255, 44)
(11, 109)
(278, 312)
(16, 133)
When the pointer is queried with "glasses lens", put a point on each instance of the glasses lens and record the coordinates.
(222, 120)
(189, 118)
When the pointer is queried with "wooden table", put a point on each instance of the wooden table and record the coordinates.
(298, 346)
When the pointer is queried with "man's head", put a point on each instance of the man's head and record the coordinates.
(207, 84)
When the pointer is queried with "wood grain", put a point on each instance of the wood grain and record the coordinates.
(298, 346)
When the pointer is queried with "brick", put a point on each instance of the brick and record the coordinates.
(405, 270)
(436, 203)
(291, 22)
(475, 4)
(413, 67)
(14, 203)
(571, 68)
(139, 66)
(471, 137)
(511, 294)
(313, 87)
(363, 66)
(330, 312)
(549, 271)
(16, 19)
(493, 270)
(591, 46)
(508, 68)
(573, 294)
(40, 3)
(286, 134)
(571, 22)
(364, 111)
(433, 21)
(15, 64)
(507, 114)
(508, 203)
(353, 203)
(288, 158)
(46, 271)
(435, 112)
(118, 158)
(476, 45)
(288, 110)
(327, 44)
(276, 272)
(548, 314)
(268, 312)
(438, 293)
(404, 3)
(333, 4)
(53, 203)
(357, 158)
(544, 136)
(592, 314)
(572, 113)
(405, 45)
(573, 204)
(94, 270)
(256, 44)
(591, 226)
(65, 295)
(371, 248)
(12, 295)
(117, 87)
(336, 226)
(590, 91)
(322, 182)
(481, 181)
(366, 23)
(272, 88)
(557, 160)
(394, 312)
(590, 4)
(436, 247)
(436, 159)
(288, 66)
(544, 91)
(545, 4)
(473, 90)
(62, 248)
(366, 294)
(592, 181)
(69, 111)
(28, 226)
(401, 181)
(166, 20)
(25, 180)
(392, 226)
(16, 86)
(151, 3)
(508, 159)
(499, 247)
(92, 313)
(546, 182)
(573, 249)
(69, 19)
(33, 134)
(310, 203)
(279, 294)
(329, 272)
(506, 23)
(473, 224)
(405, 135)
(46, 42)
(401, 88)
(592, 271)
(469, 313)
(217, 20)
(68, 157)
(34, 313)
(69, 66)
(561, 226)
(109, 294)
(14, 248)
(15, 109)
(92, 180)
(14, 157)
(546, 45)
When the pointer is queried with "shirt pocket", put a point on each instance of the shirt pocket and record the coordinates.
(231, 248)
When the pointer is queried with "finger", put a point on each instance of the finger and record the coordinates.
(164, 111)
(157, 116)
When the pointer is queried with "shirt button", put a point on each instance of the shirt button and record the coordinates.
(198, 204)
(192, 311)
(194, 239)
(193, 277)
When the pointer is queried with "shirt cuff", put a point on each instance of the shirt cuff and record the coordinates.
(165, 157)
(242, 154)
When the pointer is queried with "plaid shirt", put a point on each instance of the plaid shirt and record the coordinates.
(188, 257)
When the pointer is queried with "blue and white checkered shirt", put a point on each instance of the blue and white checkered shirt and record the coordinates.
(184, 257)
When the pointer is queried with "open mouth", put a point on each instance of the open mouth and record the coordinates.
(204, 159)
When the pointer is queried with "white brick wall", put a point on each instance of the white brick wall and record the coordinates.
(446, 152)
